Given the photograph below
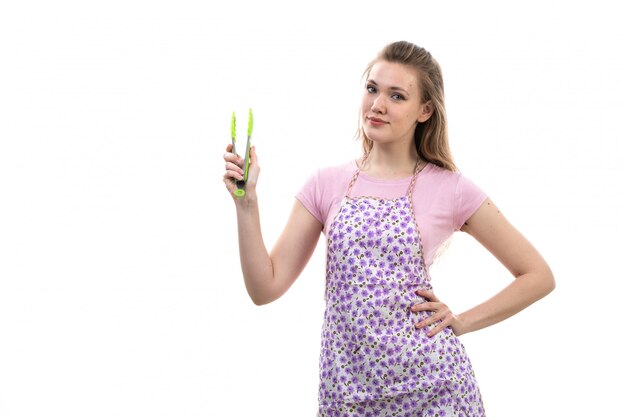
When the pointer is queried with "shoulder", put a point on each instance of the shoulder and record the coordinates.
(466, 197)
(324, 188)
(451, 192)
(336, 172)
(328, 181)
(441, 179)
(331, 178)
(446, 179)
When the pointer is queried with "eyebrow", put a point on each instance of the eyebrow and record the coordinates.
(393, 87)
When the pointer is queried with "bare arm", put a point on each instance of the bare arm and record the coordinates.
(268, 276)
(533, 277)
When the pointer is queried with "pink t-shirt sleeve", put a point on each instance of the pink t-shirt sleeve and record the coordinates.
(323, 192)
(309, 196)
(468, 198)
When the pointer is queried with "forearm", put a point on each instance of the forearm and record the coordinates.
(522, 292)
(256, 264)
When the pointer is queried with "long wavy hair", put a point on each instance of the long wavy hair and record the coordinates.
(431, 136)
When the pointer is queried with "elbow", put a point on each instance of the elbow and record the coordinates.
(268, 295)
(552, 282)
(259, 295)
(548, 283)
(539, 282)
(260, 300)
(260, 303)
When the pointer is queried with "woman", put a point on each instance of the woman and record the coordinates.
(389, 346)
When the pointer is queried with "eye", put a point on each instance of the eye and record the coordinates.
(370, 89)
(397, 96)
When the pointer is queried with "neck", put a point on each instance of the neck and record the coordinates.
(391, 162)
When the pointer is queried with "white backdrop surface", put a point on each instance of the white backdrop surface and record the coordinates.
(120, 288)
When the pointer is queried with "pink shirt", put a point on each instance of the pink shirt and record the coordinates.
(443, 200)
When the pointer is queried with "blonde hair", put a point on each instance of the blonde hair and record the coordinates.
(431, 136)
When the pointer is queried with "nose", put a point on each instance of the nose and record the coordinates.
(378, 105)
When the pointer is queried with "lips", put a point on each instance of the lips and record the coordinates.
(376, 121)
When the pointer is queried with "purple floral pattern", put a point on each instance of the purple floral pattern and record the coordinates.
(373, 361)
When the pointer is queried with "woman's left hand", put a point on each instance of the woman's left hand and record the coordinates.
(441, 314)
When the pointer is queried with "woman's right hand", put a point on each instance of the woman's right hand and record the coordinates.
(234, 173)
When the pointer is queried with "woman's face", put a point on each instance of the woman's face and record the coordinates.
(391, 105)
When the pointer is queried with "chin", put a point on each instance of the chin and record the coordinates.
(375, 136)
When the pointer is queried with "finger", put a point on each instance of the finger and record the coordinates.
(254, 166)
(425, 306)
(427, 294)
(254, 159)
(432, 319)
(442, 325)
(232, 167)
(229, 149)
(232, 175)
(232, 158)
(230, 184)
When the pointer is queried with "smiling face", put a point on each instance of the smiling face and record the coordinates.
(391, 106)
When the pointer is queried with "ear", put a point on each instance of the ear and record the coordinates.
(426, 110)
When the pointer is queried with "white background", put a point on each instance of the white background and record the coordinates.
(120, 287)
